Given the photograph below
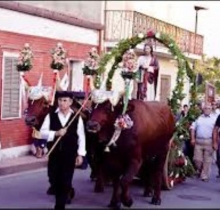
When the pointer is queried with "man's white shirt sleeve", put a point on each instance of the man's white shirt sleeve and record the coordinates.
(81, 138)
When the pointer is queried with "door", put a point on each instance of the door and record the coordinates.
(165, 83)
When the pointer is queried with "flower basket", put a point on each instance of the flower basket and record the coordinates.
(58, 57)
(88, 71)
(56, 66)
(128, 75)
(24, 67)
(129, 65)
(91, 63)
(25, 59)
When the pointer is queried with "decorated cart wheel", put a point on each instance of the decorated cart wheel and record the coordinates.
(168, 182)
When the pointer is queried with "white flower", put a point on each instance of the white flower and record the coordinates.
(179, 153)
(26, 45)
(157, 35)
(59, 44)
(185, 162)
(177, 175)
(181, 136)
(171, 45)
(171, 174)
(141, 35)
(177, 123)
(171, 183)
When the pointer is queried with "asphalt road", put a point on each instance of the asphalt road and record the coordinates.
(28, 190)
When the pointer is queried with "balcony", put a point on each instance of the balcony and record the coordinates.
(124, 24)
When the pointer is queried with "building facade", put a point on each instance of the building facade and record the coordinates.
(78, 25)
(125, 19)
(42, 28)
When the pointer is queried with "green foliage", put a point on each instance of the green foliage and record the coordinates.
(209, 68)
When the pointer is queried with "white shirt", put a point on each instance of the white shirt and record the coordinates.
(144, 61)
(204, 126)
(49, 135)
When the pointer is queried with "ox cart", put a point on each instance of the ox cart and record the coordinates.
(169, 179)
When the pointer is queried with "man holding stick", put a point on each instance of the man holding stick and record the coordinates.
(65, 127)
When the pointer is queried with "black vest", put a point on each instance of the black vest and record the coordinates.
(68, 144)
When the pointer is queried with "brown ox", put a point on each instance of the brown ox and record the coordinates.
(148, 139)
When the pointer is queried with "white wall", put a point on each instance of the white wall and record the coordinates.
(31, 25)
(182, 14)
(77, 76)
(86, 10)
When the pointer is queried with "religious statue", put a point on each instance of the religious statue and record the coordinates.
(148, 69)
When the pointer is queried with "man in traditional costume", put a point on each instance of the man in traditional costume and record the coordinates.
(148, 68)
(70, 150)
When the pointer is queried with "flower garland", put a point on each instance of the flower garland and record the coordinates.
(58, 57)
(25, 59)
(123, 122)
(91, 63)
(129, 65)
(184, 69)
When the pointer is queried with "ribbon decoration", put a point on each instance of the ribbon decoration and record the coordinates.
(100, 96)
(24, 84)
(126, 98)
(55, 79)
(35, 92)
(87, 85)
(123, 121)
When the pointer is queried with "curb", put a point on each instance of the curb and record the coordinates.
(21, 164)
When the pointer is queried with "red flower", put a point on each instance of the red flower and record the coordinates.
(180, 161)
(150, 33)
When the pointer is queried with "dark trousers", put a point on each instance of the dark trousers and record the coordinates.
(188, 150)
(63, 175)
(51, 166)
(218, 158)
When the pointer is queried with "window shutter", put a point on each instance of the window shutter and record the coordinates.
(11, 89)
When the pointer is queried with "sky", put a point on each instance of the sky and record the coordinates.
(182, 14)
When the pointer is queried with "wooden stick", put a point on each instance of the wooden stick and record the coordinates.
(77, 113)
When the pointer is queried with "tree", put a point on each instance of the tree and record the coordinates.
(209, 68)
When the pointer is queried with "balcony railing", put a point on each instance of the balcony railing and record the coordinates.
(124, 24)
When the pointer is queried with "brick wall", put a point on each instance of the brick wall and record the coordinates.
(15, 132)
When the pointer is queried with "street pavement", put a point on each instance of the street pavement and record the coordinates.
(28, 190)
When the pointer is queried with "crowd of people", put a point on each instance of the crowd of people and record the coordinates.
(203, 147)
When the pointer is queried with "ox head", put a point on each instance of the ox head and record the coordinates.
(107, 107)
(38, 105)
(103, 118)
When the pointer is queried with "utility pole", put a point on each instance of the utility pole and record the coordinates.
(196, 8)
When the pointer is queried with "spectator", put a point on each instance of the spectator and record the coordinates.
(217, 143)
(201, 137)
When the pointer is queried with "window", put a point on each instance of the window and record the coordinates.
(76, 76)
(10, 88)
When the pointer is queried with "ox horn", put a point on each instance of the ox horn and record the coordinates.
(39, 84)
